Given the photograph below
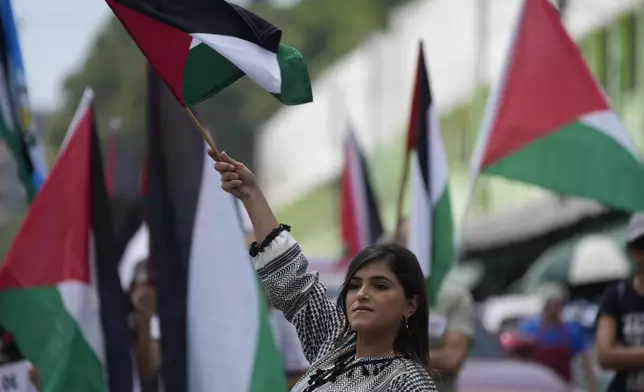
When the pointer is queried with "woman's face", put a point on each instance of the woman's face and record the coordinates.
(376, 300)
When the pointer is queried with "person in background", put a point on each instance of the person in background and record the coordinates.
(451, 326)
(557, 343)
(619, 337)
(144, 325)
(9, 353)
(284, 333)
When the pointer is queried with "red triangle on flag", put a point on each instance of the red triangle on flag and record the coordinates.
(52, 244)
(165, 47)
(547, 84)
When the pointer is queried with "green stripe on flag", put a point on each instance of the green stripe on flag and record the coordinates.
(442, 245)
(296, 85)
(206, 73)
(268, 370)
(51, 339)
(581, 161)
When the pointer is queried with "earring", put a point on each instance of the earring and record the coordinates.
(407, 326)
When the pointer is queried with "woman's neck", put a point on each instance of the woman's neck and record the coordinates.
(374, 345)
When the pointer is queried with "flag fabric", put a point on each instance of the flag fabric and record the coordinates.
(123, 183)
(214, 326)
(59, 289)
(17, 85)
(201, 47)
(430, 216)
(549, 123)
(16, 128)
(359, 216)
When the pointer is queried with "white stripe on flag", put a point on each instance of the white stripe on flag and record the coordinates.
(223, 294)
(438, 176)
(259, 64)
(422, 207)
(420, 219)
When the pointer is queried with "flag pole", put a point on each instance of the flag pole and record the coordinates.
(205, 134)
(401, 191)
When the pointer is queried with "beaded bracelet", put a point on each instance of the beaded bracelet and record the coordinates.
(256, 248)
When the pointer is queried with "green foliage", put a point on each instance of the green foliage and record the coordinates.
(322, 30)
(114, 69)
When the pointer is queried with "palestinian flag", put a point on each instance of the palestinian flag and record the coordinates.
(201, 47)
(361, 225)
(430, 221)
(211, 308)
(59, 289)
(549, 123)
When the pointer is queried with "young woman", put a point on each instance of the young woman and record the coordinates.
(376, 339)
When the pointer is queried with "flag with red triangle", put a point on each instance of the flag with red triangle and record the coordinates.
(549, 123)
(360, 220)
(60, 294)
(430, 215)
(201, 47)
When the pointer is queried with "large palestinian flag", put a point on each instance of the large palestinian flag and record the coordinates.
(201, 47)
(548, 122)
(60, 294)
(430, 215)
(215, 332)
(359, 216)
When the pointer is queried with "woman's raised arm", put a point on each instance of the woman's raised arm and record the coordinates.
(282, 267)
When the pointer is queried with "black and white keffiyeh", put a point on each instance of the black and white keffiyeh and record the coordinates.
(282, 269)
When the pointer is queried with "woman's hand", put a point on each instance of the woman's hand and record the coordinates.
(240, 182)
(236, 178)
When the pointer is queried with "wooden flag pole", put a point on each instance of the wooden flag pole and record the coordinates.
(206, 135)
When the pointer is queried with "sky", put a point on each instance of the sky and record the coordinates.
(54, 37)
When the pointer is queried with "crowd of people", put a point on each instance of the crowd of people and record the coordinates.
(382, 333)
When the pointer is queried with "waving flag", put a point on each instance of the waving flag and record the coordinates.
(430, 220)
(201, 47)
(60, 293)
(549, 123)
(18, 127)
(360, 219)
(199, 259)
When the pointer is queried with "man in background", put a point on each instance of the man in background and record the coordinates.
(557, 342)
(620, 324)
(451, 326)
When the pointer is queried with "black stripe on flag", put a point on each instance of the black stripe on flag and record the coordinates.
(372, 212)
(422, 103)
(210, 17)
(176, 154)
(113, 302)
(122, 176)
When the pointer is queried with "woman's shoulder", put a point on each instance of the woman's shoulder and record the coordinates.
(413, 377)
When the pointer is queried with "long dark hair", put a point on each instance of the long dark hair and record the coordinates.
(412, 343)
